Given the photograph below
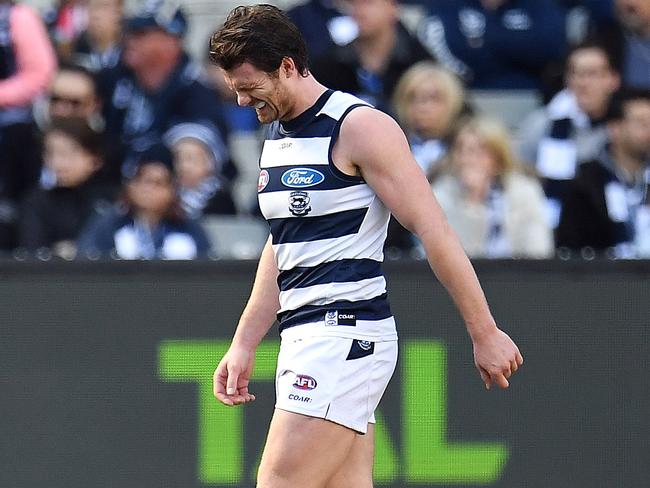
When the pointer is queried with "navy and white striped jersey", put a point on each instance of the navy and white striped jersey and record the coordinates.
(328, 228)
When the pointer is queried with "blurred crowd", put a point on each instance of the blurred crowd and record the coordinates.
(115, 142)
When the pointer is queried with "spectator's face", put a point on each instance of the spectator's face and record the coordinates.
(429, 110)
(104, 19)
(72, 95)
(71, 164)
(634, 14)
(192, 162)
(374, 16)
(632, 134)
(152, 189)
(141, 48)
(263, 91)
(592, 80)
(471, 155)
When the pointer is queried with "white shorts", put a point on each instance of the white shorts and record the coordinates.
(334, 378)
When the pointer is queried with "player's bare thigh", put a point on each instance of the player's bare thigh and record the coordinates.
(303, 451)
(356, 471)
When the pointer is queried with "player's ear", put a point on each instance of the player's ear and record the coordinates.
(288, 67)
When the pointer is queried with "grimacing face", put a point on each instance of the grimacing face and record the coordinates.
(260, 90)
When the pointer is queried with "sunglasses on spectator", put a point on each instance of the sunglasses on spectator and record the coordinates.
(75, 102)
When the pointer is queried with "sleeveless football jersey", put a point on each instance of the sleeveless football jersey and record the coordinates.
(328, 228)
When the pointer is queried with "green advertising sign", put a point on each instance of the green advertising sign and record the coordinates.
(425, 456)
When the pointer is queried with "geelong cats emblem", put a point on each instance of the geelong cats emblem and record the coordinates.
(299, 203)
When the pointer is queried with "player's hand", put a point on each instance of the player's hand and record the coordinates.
(497, 358)
(230, 381)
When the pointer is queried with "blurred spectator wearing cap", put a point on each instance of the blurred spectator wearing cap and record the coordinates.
(150, 223)
(155, 86)
(428, 102)
(323, 24)
(607, 205)
(628, 38)
(27, 64)
(571, 128)
(100, 45)
(198, 157)
(53, 217)
(370, 66)
(496, 209)
(495, 44)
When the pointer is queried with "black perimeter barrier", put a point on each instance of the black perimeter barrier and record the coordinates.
(105, 378)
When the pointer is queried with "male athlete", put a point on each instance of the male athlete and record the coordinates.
(332, 170)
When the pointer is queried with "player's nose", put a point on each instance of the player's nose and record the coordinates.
(243, 100)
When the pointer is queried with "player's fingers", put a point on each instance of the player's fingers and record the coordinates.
(501, 380)
(520, 358)
(485, 377)
(231, 383)
(514, 366)
(219, 382)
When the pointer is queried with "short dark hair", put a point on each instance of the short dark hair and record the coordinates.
(79, 130)
(594, 44)
(262, 35)
(616, 109)
(83, 71)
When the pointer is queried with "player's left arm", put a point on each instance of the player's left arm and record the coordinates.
(372, 144)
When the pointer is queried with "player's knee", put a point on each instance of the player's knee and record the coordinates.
(274, 475)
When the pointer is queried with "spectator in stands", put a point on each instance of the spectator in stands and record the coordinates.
(27, 64)
(495, 44)
(608, 198)
(155, 86)
(571, 128)
(198, 156)
(66, 20)
(323, 24)
(73, 93)
(428, 102)
(100, 45)
(371, 65)
(53, 217)
(151, 223)
(496, 209)
(628, 38)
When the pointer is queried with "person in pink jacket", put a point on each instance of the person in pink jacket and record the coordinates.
(27, 65)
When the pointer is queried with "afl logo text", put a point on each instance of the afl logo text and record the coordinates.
(263, 180)
(304, 382)
(301, 178)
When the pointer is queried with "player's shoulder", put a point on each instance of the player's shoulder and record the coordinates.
(365, 121)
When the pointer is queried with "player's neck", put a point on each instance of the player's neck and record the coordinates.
(306, 93)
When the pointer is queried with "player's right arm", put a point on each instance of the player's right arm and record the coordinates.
(232, 376)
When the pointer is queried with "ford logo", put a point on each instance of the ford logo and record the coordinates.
(302, 178)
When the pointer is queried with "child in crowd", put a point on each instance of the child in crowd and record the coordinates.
(198, 159)
(53, 215)
(149, 223)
